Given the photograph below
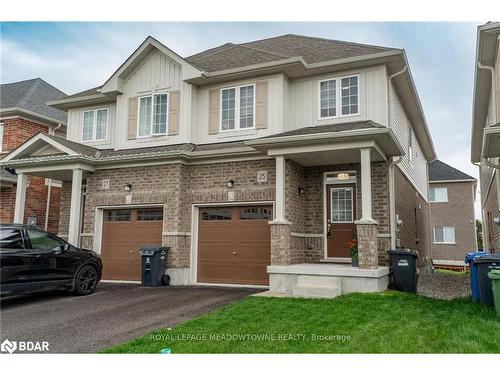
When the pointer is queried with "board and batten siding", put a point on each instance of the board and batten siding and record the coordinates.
(302, 106)
(415, 170)
(75, 125)
(156, 74)
(274, 123)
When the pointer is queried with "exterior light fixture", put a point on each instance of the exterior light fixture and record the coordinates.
(230, 184)
(343, 176)
(301, 190)
(128, 188)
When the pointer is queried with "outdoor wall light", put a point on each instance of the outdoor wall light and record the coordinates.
(128, 188)
(301, 190)
(230, 184)
(496, 220)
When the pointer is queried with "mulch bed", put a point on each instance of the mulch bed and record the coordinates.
(443, 286)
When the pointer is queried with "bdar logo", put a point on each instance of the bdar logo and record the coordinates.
(8, 346)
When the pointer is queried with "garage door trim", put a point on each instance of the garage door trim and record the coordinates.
(194, 238)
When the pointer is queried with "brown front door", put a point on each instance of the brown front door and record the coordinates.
(341, 211)
(234, 245)
(124, 231)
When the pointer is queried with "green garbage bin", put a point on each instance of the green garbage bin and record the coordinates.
(494, 275)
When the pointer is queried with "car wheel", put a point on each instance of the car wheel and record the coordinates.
(85, 281)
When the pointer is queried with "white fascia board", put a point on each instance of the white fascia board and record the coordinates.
(12, 111)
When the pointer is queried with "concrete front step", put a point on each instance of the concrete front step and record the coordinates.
(319, 281)
(316, 291)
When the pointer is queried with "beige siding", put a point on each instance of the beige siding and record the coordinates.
(303, 99)
(75, 125)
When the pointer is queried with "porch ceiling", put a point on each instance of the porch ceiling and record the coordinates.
(347, 156)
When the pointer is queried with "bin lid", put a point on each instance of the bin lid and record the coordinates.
(409, 252)
(152, 249)
(494, 274)
(490, 258)
(470, 256)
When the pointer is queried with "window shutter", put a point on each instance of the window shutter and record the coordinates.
(132, 118)
(214, 102)
(261, 105)
(173, 112)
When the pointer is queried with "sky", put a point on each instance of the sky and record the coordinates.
(75, 56)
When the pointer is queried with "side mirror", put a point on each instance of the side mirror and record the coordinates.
(66, 247)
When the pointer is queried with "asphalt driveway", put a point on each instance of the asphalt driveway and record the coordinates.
(112, 314)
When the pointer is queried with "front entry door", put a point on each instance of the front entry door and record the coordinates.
(341, 209)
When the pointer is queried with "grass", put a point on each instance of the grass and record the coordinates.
(450, 272)
(389, 322)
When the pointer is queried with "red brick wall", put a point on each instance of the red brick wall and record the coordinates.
(492, 230)
(16, 131)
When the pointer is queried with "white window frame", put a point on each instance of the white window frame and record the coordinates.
(237, 105)
(352, 205)
(338, 97)
(151, 134)
(453, 242)
(438, 187)
(94, 124)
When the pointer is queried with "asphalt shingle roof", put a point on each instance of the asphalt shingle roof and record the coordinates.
(311, 49)
(439, 171)
(32, 96)
(333, 128)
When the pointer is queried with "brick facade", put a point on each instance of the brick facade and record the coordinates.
(16, 131)
(414, 211)
(458, 212)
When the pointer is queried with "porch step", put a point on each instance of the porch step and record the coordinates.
(317, 286)
(315, 291)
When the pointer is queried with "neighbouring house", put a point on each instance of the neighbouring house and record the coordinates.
(485, 144)
(256, 163)
(452, 194)
(23, 113)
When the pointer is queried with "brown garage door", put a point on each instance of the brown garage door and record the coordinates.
(124, 231)
(234, 245)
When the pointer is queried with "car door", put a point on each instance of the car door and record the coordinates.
(15, 258)
(53, 259)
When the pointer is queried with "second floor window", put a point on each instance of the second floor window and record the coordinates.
(438, 194)
(338, 93)
(153, 115)
(238, 108)
(95, 125)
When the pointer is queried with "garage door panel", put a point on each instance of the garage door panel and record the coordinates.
(235, 251)
(124, 232)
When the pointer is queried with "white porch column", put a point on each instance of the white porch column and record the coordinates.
(20, 198)
(366, 185)
(280, 189)
(74, 213)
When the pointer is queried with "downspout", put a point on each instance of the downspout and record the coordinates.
(52, 131)
(392, 162)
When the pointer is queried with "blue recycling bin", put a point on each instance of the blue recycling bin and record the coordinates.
(474, 284)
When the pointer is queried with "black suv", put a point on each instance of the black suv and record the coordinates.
(33, 260)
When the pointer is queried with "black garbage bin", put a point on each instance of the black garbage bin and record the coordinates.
(404, 270)
(484, 265)
(153, 266)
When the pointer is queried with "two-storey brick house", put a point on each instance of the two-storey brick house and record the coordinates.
(23, 113)
(452, 194)
(256, 163)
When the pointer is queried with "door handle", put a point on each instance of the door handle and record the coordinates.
(234, 253)
(131, 251)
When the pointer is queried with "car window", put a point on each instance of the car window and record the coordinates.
(43, 241)
(10, 238)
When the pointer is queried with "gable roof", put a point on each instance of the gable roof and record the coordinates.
(31, 95)
(440, 171)
(310, 49)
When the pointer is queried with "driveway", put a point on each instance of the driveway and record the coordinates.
(112, 314)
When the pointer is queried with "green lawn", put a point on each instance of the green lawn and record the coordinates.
(389, 322)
